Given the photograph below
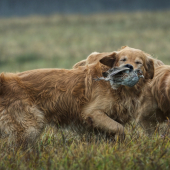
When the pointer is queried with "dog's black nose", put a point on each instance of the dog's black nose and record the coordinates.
(129, 66)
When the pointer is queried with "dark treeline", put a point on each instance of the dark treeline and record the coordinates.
(30, 7)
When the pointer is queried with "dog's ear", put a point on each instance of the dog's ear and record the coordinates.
(109, 60)
(150, 69)
(157, 62)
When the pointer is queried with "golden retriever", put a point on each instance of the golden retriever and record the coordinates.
(33, 99)
(155, 107)
(152, 100)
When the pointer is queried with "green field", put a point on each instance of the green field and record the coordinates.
(61, 41)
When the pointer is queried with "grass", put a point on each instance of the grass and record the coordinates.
(60, 41)
(62, 149)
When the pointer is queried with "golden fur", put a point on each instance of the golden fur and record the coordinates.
(157, 108)
(33, 99)
(154, 101)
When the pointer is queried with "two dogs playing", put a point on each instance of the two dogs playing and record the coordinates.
(30, 100)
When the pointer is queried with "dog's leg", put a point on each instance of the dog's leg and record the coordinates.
(146, 115)
(148, 125)
(100, 120)
(33, 125)
(8, 127)
(22, 123)
(147, 119)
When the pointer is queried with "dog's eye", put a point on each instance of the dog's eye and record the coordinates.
(124, 59)
(138, 62)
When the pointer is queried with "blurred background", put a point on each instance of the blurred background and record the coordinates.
(52, 33)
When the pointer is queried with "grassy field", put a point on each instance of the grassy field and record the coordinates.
(60, 41)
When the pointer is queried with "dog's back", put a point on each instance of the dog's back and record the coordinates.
(29, 100)
(44, 87)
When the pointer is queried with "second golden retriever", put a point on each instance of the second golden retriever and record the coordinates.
(155, 106)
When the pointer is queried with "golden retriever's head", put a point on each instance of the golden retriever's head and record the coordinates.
(135, 58)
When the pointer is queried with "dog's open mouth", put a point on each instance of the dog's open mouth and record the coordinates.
(123, 75)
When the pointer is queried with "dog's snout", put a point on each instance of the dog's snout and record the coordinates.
(129, 66)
